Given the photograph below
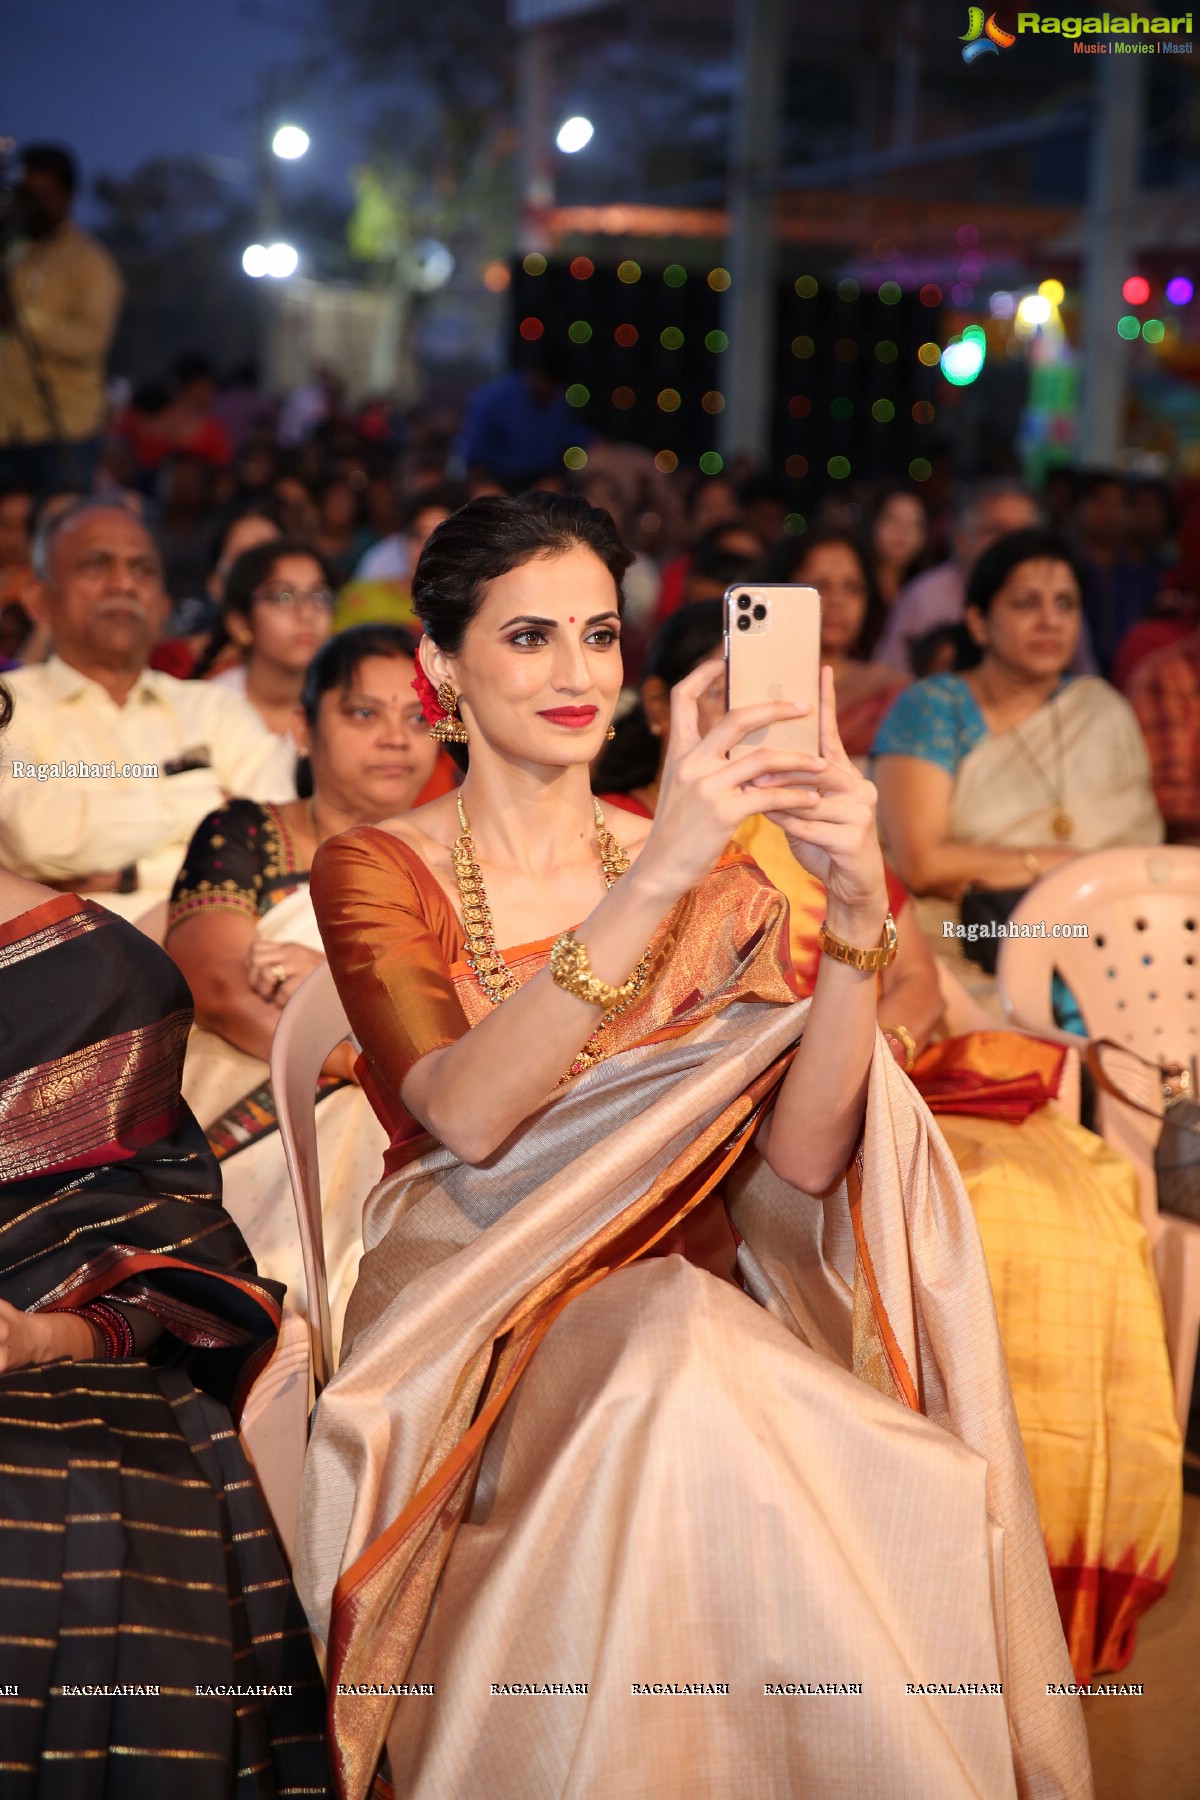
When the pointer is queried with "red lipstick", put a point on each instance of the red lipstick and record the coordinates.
(575, 717)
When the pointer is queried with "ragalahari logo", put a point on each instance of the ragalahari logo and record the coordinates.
(983, 39)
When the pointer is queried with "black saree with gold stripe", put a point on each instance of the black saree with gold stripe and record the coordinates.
(150, 1639)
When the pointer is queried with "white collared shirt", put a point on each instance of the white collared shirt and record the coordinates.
(69, 825)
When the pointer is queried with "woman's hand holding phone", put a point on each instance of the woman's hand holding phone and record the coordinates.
(705, 795)
(828, 817)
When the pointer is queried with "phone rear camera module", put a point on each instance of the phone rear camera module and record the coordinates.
(743, 602)
(743, 623)
(760, 611)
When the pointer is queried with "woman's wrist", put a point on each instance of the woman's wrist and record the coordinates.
(860, 924)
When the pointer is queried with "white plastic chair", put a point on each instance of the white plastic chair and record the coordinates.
(1136, 977)
(311, 1024)
(274, 1427)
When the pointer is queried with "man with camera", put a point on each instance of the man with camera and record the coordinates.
(60, 294)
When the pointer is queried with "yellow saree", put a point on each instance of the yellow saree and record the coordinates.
(627, 1529)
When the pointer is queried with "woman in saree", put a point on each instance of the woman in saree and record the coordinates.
(672, 1387)
(240, 926)
(150, 1639)
(1086, 1353)
(992, 777)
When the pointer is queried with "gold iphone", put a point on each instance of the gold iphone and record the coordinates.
(773, 652)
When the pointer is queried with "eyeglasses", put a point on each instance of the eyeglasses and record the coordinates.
(291, 600)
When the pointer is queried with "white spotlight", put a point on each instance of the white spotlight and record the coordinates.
(254, 260)
(281, 261)
(573, 134)
(290, 142)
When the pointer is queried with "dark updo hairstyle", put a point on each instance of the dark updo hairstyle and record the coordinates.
(793, 553)
(689, 635)
(6, 707)
(244, 579)
(335, 665)
(998, 562)
(493, 535)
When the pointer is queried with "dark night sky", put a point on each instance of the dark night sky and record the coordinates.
(130, 79)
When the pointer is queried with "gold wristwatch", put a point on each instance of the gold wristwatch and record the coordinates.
(868, 961)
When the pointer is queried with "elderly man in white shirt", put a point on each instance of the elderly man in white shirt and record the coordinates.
(73, 811)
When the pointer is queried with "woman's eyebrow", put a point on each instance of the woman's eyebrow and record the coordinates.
(549, 624)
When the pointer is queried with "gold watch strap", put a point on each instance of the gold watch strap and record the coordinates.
(868, 961)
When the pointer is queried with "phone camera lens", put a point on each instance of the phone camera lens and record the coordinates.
(760, 612)
(743, 602)
(743, 623)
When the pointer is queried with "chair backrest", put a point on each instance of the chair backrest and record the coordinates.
(311, 1024)
(1136, 975)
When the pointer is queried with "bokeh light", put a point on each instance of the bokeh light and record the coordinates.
(1002, 305)
(719, 280)
(795, 524)
(290, 142)
(961, 363)
(531, 329)
(575, 457)
(975, 334)
(573, 134)
(1179, 290)
(713, 402)
(890, 292)
(806, 286)
(669, 400)
(920, 468)
(282, 261)
(922, 412)
(848, 289)
(711, 463)
(931, 294)
(1129, 327)
(534, 263)
(846, 349)
(577, 394)
(582, 267)
(675, 275)
(623, 398)
(930, 354)
(968, 236)
(799, 406)
(626, 336)
(962, 293)
(496, 277)
(883, 410)
(842, 407)
(838, 467)
(666, 462)
(796, 467)
(629, 272)
(1135, 291)
(716, 341)
(1154, 331)
(579, 331)
(1034, 309)
(802, 347)
(671, 338)
(886, 350)
(254, 260)
(1053, 291)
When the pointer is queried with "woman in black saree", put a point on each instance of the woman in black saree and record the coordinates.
(150, 1639)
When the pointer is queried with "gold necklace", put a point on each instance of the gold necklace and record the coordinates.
(1061, 823)
(483, 954)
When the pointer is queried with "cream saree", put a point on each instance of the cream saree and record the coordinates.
(218, 1078)
(547, 1460)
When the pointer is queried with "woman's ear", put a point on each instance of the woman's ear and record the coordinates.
(237, 628)
(434, 663)
(656, 704)
(976, 624)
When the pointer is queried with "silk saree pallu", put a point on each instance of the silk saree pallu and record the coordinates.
(135, 1552)
(557, 1474)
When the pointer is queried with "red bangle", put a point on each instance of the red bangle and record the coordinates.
(112, 1325)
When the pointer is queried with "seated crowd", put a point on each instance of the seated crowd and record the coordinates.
(212, 671)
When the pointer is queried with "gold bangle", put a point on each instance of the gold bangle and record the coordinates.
(869, 961)
(905, 1039)
(572, 972)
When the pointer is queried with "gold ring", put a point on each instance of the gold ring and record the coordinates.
(279, 972)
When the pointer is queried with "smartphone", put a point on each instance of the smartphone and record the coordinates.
(773, 652)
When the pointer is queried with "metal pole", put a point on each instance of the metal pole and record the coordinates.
(536, 156)
(1113, 182)
(749, 310)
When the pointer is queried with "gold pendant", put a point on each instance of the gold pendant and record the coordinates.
(1063, 826)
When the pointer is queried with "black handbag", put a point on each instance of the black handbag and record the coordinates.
(1177, 1153)
(986, 908)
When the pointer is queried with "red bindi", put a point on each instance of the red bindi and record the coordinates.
(571, 620)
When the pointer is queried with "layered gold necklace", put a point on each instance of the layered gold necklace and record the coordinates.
(1061, 822)
(483, 953)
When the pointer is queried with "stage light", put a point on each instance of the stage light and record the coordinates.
(282, 261)
(1179, 290)
(254, 260)
(290, 142)
(669, 400)
(716, 341)
(579, 331)
(1034, 309)
(1128, 327)
(574, 134)
(713, 402)
(889, 292)
(577, 394)
(920, 468)
(535, 263)
(930, 354)
(961, 363)
(883, 411)
(1154, 331)
(1135, 291)
(838, 467)
(626, 336)
(719, 280)
(531, 329)
(666, 462)
(671, 338)
(1002, 305)
(675, 275)
(629, 272)
(711, 463)
(806, 286)
(575, 457)
(582, 267)
(1053, 291)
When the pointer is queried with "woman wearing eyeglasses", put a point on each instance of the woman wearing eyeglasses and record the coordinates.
(277, 611)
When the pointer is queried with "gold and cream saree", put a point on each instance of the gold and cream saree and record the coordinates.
(632, 1530)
